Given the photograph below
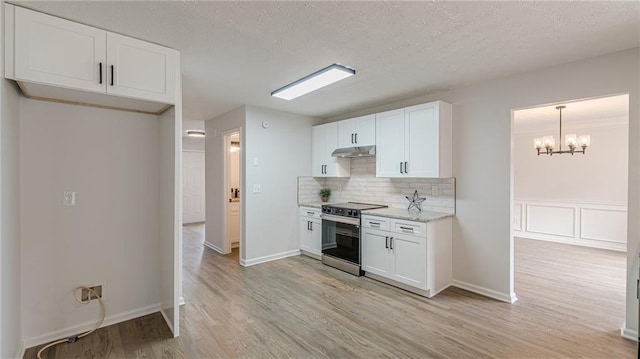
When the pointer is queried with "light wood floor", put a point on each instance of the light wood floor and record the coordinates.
(571, 304)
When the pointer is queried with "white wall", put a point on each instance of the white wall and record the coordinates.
(215, 190)
(111, 237)
(283, 152)
(10, 249)
(193, 144)
(600, 175)
(579, 199)
(482, 245)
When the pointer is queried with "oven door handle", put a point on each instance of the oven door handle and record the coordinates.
(340, 219)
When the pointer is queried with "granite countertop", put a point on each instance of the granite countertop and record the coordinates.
(411, 215)
(313, 204)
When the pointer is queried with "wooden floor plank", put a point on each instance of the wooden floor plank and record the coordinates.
(571, 305)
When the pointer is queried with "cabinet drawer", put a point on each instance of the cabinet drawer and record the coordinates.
(409, 227)
(310, 212)
(375, 222)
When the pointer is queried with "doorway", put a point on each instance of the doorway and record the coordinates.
(234, 193)
(569, 211)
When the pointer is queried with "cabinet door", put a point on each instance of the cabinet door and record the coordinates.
(390, 142)
(140, 69)
(410, 260)
(58, 52)
(346, 133)
(422, 135)
(318, 148)
(234, 223)
(376, 255)
(306, 241)
(366, 130)
(316, 236)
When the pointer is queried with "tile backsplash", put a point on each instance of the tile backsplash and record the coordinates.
(364, 186)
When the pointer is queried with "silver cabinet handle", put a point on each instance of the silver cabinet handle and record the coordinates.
(311, 213)
(374, 224)
(405, 167)
(311, 226)
(386, 242)
(352, 138)
(401, 167)
(356, 138)
(406, 228)
(391, 243)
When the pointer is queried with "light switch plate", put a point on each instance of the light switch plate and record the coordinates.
(255, 162)
(435, 191)
(257, 188)
(69, 199)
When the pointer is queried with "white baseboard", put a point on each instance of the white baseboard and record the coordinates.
(629, 333)
(269, 258)
(20, 351)
(214, 247)
(503, 297)
(80, 328)
(613, 246)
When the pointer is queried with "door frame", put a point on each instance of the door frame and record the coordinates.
(226, 245)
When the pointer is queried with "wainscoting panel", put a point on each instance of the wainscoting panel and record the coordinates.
(517, 217)
(613, 230)
(600, 225)
(557, 220)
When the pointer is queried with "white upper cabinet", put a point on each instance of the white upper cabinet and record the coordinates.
(324, 140)
(359, 131)
(53, 58)
(414, 141)
(50, 50)
(140, 69)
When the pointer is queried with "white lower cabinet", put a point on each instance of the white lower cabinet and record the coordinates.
(310, 229)
(411, 255)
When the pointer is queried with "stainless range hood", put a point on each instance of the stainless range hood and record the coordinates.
(354, 152)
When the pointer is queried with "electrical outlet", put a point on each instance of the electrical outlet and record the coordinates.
(69, 199)
(257, 188)
(86, 293)
(435, 191)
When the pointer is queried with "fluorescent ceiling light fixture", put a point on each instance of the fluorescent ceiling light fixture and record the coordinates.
(316, 80)
(195, 133)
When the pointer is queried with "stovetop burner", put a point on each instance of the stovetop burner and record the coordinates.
(349, 209)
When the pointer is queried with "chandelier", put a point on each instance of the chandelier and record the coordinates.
(546, 145)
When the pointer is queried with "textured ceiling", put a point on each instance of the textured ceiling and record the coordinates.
(236, 53)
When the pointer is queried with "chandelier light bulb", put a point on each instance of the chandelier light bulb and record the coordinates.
(549, 142)
(585, 141)
(537, 143)
(571, 140)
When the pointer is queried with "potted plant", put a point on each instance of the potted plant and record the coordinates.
(325, 193)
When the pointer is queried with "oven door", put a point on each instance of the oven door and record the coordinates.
(341, 238)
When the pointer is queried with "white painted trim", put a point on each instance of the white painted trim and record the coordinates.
(76, 329)
(214, 247)
(191, 150)
(592, 243)
(628, 333)
(503, 297)
(269, 258)
(21, 350)
(181, 302)
(579, 237)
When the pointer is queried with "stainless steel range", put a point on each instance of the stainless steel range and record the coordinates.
(341, 235)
